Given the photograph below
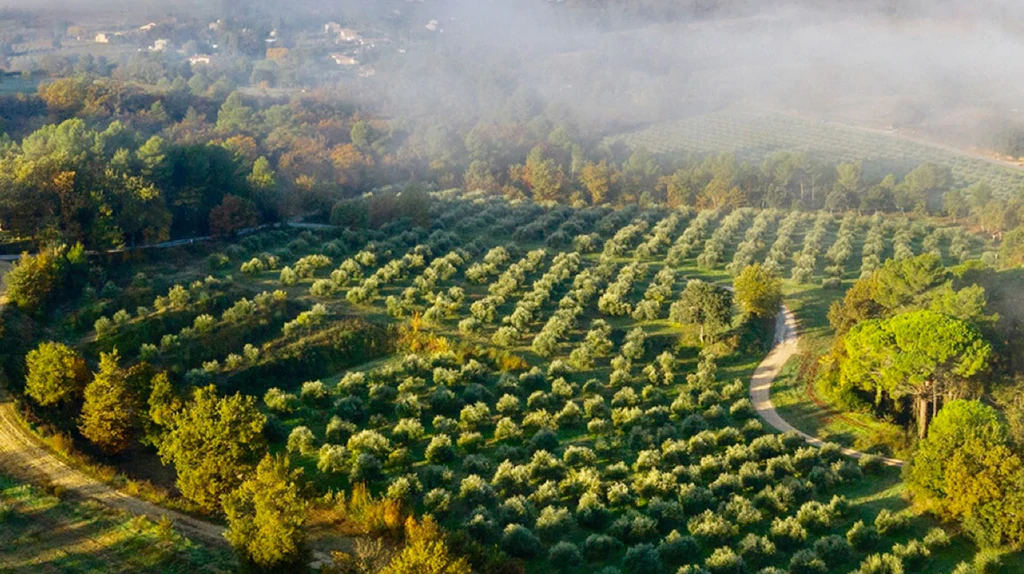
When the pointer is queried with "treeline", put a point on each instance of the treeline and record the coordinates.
(124, 169)
(112, 164)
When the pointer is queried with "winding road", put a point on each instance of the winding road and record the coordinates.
(785, 346)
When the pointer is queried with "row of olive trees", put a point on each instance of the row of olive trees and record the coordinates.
(625, 239)
(714, 248)
(244, 312)
(753, 242)
(903, 240)
(687, 243)
(960, 244)
(195, 296)
(658, 291)
(782, 248)
(660, 237)
(813, 246)
(391, 272)
(840, 252)
(517, 324)
(485, 310)
(874, 246)
(491, 266)
(558, 327)
(615, 299)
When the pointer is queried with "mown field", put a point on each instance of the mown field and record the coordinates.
(43, 532)
(534, 390)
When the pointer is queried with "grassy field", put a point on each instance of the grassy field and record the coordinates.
(41, 533)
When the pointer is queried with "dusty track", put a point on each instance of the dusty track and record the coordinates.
(786, 342)
(23, 454)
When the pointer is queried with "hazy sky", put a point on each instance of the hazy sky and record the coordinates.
(936, 59)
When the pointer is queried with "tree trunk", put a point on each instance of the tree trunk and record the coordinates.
(922, 416)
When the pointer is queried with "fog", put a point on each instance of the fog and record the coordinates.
(950, 67)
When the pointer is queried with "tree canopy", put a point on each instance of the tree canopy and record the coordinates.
(922, 354)
(266, 515)
(967, 467)
(55, 374)
(112, 410)
(212, 442)
(758, 291)
(703, 304)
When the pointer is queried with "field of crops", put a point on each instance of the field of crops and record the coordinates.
(755, 134)
(546, 396)
(40, 532)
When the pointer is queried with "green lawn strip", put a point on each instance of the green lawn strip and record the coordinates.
(41, 531)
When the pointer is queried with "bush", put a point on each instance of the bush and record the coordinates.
(724, 561)
(438, 501)
(870, 464)
(862, 537)
(834, 550)
(313, 392)
(712, 527)
(936, 538)
(807, 562)
(888, 522)
(475, 490)
(676, 548)
(881, 564)
(756, 550)
(564, 556)
(643, 558)
(440, 449)
(520, 542)
(913, 554)
(554, 523)
(787, 533)
(301, 440)
(279, 401)
(600, 547)
(332, 458)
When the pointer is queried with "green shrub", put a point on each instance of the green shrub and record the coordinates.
(643, 558)
(520, 542)
(756, 550)
(862, 537)
(913, 554)
(787, 533)
(806, 561)
(599, 547)
(301, 440)
(881, 564)
(888, 522)
(936, 538)
(724, 561)
(834, 550)
(440, 449)
(564, 556)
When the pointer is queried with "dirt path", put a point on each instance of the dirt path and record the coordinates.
(23, 454)
(786, 341)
